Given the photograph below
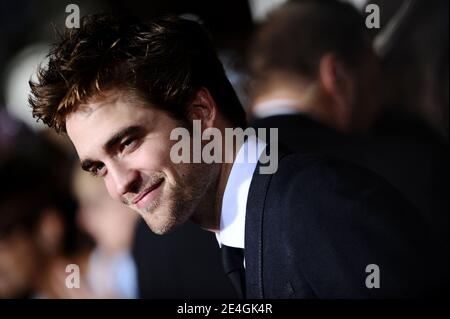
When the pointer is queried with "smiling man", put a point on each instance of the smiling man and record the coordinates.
(120, 138)
(118, 88)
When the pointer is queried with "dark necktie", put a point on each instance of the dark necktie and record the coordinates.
(233, 264)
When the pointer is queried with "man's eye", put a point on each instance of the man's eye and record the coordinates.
(97, 169)
(128, 144)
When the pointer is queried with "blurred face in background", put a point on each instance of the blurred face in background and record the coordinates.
(18, 264)
(109, 222)
(26, 251)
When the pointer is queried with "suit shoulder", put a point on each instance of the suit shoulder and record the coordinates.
(325, 170)
(333, 219)
(317, 189)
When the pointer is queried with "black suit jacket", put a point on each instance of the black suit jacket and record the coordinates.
(401, 150)
(314, 226)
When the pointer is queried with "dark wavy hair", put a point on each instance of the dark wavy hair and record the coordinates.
(165, 61)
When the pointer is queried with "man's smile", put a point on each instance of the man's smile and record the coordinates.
(148, 195)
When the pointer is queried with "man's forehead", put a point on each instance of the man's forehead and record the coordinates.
(102, 109)
(93, 123)
(97, 122)
(99, 101)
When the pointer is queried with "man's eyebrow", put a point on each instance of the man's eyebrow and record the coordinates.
(116, 138)
(86, 164)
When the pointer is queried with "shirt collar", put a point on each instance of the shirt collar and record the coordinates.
(276, 107)
(234, 202)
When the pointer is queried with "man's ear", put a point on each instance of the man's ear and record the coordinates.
(338, 84)
(203, 108)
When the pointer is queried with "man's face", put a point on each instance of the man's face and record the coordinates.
(120, 138)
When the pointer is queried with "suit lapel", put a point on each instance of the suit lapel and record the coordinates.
(253, 234)
(254, 221)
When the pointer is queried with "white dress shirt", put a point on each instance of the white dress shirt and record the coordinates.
(234, 202)
(276, 107)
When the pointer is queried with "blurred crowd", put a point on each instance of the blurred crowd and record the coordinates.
(375, 97)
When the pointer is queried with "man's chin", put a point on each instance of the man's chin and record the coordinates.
(160, 228)
(159, 222)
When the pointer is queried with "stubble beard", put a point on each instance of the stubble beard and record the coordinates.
(180, 202)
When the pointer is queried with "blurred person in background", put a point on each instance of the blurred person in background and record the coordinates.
(318, 79)
(12, 130)
(111, 269)
(313, 67)
(413, 46)
(38, 232)
(413, 127)
(314, 76)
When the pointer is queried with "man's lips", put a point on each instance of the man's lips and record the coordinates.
(141, 196)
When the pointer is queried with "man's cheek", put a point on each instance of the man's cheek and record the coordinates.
(150, 166)
(111, 188)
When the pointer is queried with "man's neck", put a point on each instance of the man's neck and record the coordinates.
(305, 100)
(208, 213)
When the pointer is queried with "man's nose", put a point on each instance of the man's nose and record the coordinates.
(125, 179)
